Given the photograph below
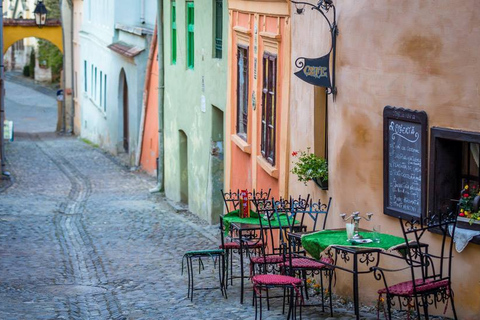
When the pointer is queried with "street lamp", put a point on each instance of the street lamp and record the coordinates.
(40, 14)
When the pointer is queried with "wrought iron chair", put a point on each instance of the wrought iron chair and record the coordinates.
(430, 281)
(217, 255)
(269, 259)
(301, 265)
(250, 242)
(291, 286)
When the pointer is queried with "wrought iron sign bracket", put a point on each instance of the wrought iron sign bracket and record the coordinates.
(317, 71)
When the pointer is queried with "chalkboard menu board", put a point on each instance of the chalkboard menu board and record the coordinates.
(404, 162)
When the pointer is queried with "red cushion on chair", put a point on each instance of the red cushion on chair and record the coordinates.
(275, 279)
(267, 259)
(236, 245)
(406, 288)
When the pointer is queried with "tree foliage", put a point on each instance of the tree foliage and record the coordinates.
(48, 54)
(53, 7)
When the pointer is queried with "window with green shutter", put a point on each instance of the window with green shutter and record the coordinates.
(218, 29)
(174, 31)
(190, 34)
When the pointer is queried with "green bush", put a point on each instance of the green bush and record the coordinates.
(31, 66)
(26, 71)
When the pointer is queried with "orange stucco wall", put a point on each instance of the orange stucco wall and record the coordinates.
(418, 55)
(264, 27)
(148, 159)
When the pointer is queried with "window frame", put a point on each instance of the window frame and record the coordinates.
(439, 135)
(218, 29)
(242, 117)
(190, 33)
(269, 107)
(173, 31)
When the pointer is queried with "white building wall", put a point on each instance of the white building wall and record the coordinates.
(102, 123)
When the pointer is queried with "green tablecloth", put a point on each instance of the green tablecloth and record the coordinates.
(232, 216)
(318, 242)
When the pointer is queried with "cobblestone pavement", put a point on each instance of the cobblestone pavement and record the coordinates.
(33, 108)
(82, 238)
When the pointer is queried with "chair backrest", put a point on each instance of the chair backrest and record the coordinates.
(266, 214)
(231, 198)
(424, 264)
(291, 206)
(316, 212)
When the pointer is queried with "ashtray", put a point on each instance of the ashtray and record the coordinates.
(360, 241)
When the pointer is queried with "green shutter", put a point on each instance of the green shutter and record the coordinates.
(174, 32)
(190, 34)
(218, 28)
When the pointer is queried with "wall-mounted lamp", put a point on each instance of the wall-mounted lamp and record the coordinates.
(40, 13)
(317, 71)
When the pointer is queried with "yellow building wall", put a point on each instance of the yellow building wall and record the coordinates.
(419, 55)
(13, 33)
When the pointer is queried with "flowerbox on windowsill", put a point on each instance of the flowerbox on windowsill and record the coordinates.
(321, 184)
(464, 223)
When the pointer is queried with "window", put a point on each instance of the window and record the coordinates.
(101, 88)
(242, 91)
(455, 162)
(91, 82)
(85, 74)
(105, 94)
(218, 28)
(95, 87)
(269, 107)
(190, 34)
(174, 31)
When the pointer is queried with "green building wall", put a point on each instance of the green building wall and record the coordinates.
(194, 111)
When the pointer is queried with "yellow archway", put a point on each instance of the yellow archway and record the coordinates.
(18, 29)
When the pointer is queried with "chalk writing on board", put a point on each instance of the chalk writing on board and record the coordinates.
(405, 160)
(405, 166)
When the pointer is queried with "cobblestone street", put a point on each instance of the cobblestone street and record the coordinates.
(82, 238)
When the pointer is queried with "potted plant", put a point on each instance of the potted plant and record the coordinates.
(469, 205)
(311, 167)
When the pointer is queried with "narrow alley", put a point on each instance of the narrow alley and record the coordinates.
(82, 238)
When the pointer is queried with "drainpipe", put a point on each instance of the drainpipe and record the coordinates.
(142, 11)
(161, 89)
(3, 174)
(2, 92)
(72, 93)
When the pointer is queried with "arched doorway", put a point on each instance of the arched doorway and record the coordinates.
(183, 156)
(123, 103)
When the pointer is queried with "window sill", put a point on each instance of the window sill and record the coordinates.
(272, 171)
(242, 144)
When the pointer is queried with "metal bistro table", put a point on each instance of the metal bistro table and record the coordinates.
(337, 247)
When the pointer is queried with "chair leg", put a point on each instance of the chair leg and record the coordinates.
(453, 305)
(330, 279)
(323, 294)
(425, 307)
(189, 276)
(190, 263)
(268, 300)
(389, 306)
(256, 304)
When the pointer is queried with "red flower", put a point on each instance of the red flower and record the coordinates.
(294, 153)
(465, 195)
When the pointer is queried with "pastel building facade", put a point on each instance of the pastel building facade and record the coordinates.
(391, 53)
(257, 96)
(195, 38)
(114, 46)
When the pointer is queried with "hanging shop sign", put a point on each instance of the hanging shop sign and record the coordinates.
(315, 71)
(319, 71)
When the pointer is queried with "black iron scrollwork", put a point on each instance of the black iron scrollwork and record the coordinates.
(317, 71)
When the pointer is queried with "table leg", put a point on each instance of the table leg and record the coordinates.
(355, 287)
(241, 266)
